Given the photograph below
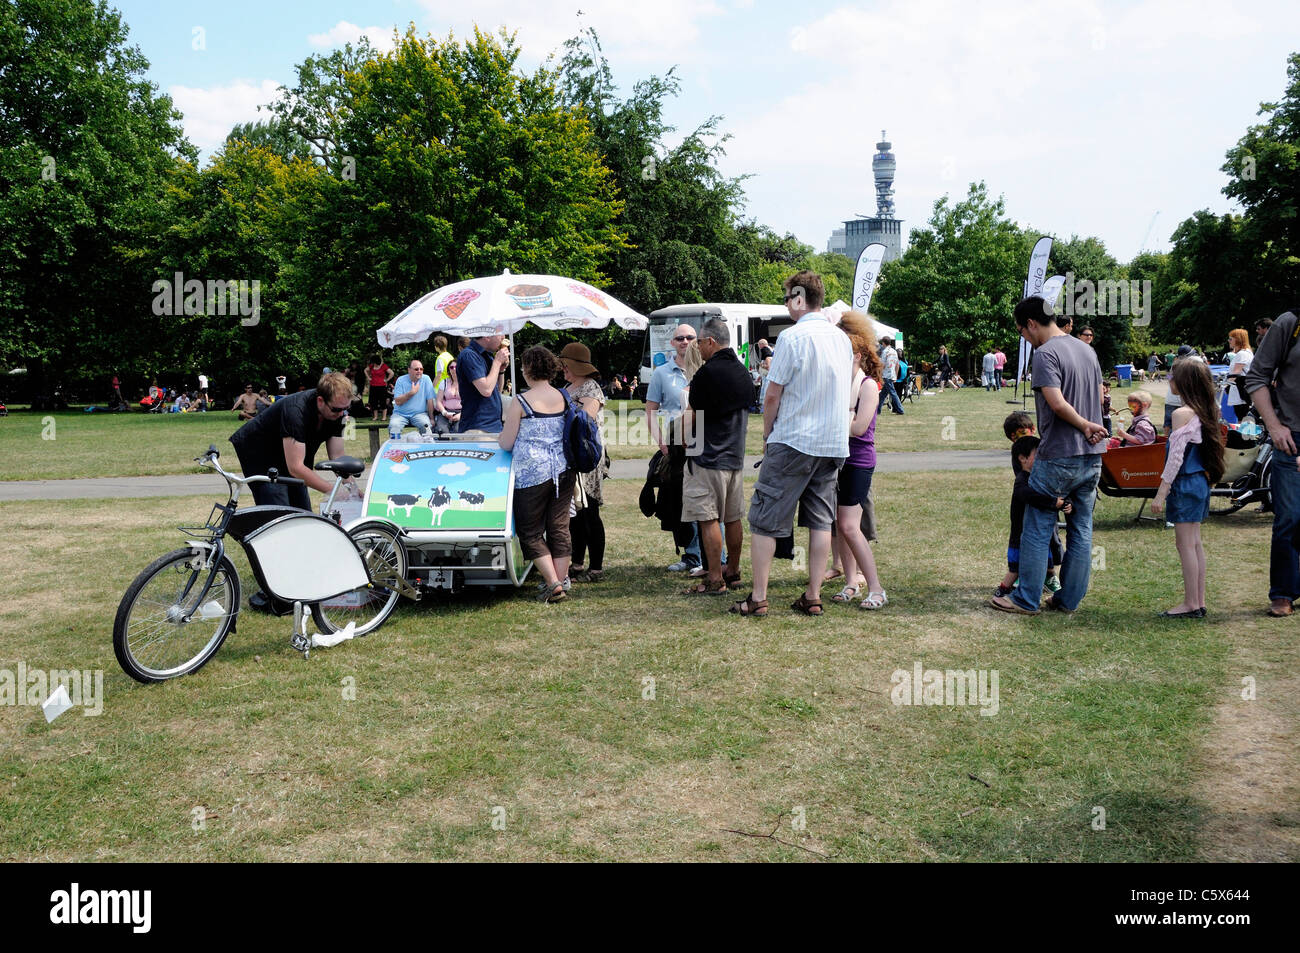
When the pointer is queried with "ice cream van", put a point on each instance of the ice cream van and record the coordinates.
(748, 323)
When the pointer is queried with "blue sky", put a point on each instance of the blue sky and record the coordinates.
(1088, 116)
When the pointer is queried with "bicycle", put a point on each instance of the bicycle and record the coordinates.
(177, 613)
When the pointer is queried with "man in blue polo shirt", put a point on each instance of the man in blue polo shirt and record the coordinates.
(663, 404)
(412, 401)
(478, 371)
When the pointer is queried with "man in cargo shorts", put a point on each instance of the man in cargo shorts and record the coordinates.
(713, 487)
(806, 437)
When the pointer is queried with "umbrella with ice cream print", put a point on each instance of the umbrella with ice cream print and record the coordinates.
(504, 303)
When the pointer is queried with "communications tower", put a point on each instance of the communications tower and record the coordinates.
(884, 227)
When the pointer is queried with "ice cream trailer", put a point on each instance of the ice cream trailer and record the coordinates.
(452, 499)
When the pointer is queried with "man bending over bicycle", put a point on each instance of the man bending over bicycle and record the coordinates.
(287, 435)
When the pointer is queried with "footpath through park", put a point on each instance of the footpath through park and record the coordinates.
(209, 484)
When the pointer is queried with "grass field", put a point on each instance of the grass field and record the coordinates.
(635, 723)
(35, 446)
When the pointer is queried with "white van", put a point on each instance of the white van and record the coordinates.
(746, 322)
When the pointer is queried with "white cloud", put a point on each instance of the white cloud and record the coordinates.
(380, 37)
(400, 467)
(662, 33)
(210, 113)
(1087, 115)
(454, 469)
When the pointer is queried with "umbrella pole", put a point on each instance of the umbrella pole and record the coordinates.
(513, 389)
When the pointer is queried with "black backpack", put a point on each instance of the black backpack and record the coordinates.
(582, 447)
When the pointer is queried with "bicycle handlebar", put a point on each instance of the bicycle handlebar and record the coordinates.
(210, 459)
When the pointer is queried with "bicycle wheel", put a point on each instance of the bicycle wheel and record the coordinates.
(1222, 505)
(150, 641)
(369, 606)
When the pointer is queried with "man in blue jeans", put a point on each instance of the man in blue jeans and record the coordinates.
(1278, 356)
(1067, 395)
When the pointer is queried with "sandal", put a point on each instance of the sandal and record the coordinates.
(847, 594)
(875, 600)
(707, 588)
(807, 606)
(551, 593)
(750, 606)
(731, 580)
(595, 575)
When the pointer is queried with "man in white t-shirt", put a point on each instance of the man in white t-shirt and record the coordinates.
(806, 437)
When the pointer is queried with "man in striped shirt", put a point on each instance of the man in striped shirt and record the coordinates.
(806, 433)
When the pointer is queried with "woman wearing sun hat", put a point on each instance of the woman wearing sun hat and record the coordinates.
(585, 525)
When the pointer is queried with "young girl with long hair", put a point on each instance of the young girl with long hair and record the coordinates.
(855, 475)
(1193, 464)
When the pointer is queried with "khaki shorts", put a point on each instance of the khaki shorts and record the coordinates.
(712, 494)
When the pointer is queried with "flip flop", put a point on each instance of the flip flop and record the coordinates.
(707, 588)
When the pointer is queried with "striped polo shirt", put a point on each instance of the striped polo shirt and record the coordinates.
(814, 364)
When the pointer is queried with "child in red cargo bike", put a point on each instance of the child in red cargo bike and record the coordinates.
(1193, 464)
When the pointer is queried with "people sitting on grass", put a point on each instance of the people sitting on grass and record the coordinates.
(246, 404)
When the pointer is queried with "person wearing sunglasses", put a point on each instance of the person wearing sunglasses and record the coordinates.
(664, 401)
(287, 435)
(413, 401)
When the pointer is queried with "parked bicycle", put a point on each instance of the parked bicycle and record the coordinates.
(179, 610)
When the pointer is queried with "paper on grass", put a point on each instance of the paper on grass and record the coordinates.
(322, 641)
(57, 703)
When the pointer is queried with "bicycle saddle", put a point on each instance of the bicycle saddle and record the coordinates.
(343, 466)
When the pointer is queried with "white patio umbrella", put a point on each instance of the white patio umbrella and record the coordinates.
(504, 303)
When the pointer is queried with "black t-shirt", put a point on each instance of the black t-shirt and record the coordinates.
(721, 392)
(262, 438)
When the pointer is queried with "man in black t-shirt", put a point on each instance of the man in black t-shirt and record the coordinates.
(287, 435)
(713, 487)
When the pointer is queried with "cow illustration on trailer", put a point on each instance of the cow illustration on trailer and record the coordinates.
(402, 501)
(439, 500)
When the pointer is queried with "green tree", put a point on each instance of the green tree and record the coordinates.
(87, 151)
(958, 281)
(275, 134)
(239, 221)
(1263, 170)
(1091, 266)
(446, 163)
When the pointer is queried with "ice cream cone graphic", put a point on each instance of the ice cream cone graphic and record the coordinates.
(454, 305)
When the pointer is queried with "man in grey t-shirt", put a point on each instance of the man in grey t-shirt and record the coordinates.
(1278, 356)
(1067, 395)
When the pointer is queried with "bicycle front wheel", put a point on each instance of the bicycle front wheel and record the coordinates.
(369, 606)
(161, 631)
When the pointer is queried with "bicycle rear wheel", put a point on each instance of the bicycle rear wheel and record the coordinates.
(150, 640)
(369, 606)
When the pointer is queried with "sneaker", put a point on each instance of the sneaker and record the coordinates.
(680, 566)
(698, 571)
(567, 584)
(1051, 585)
(1002, 590)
